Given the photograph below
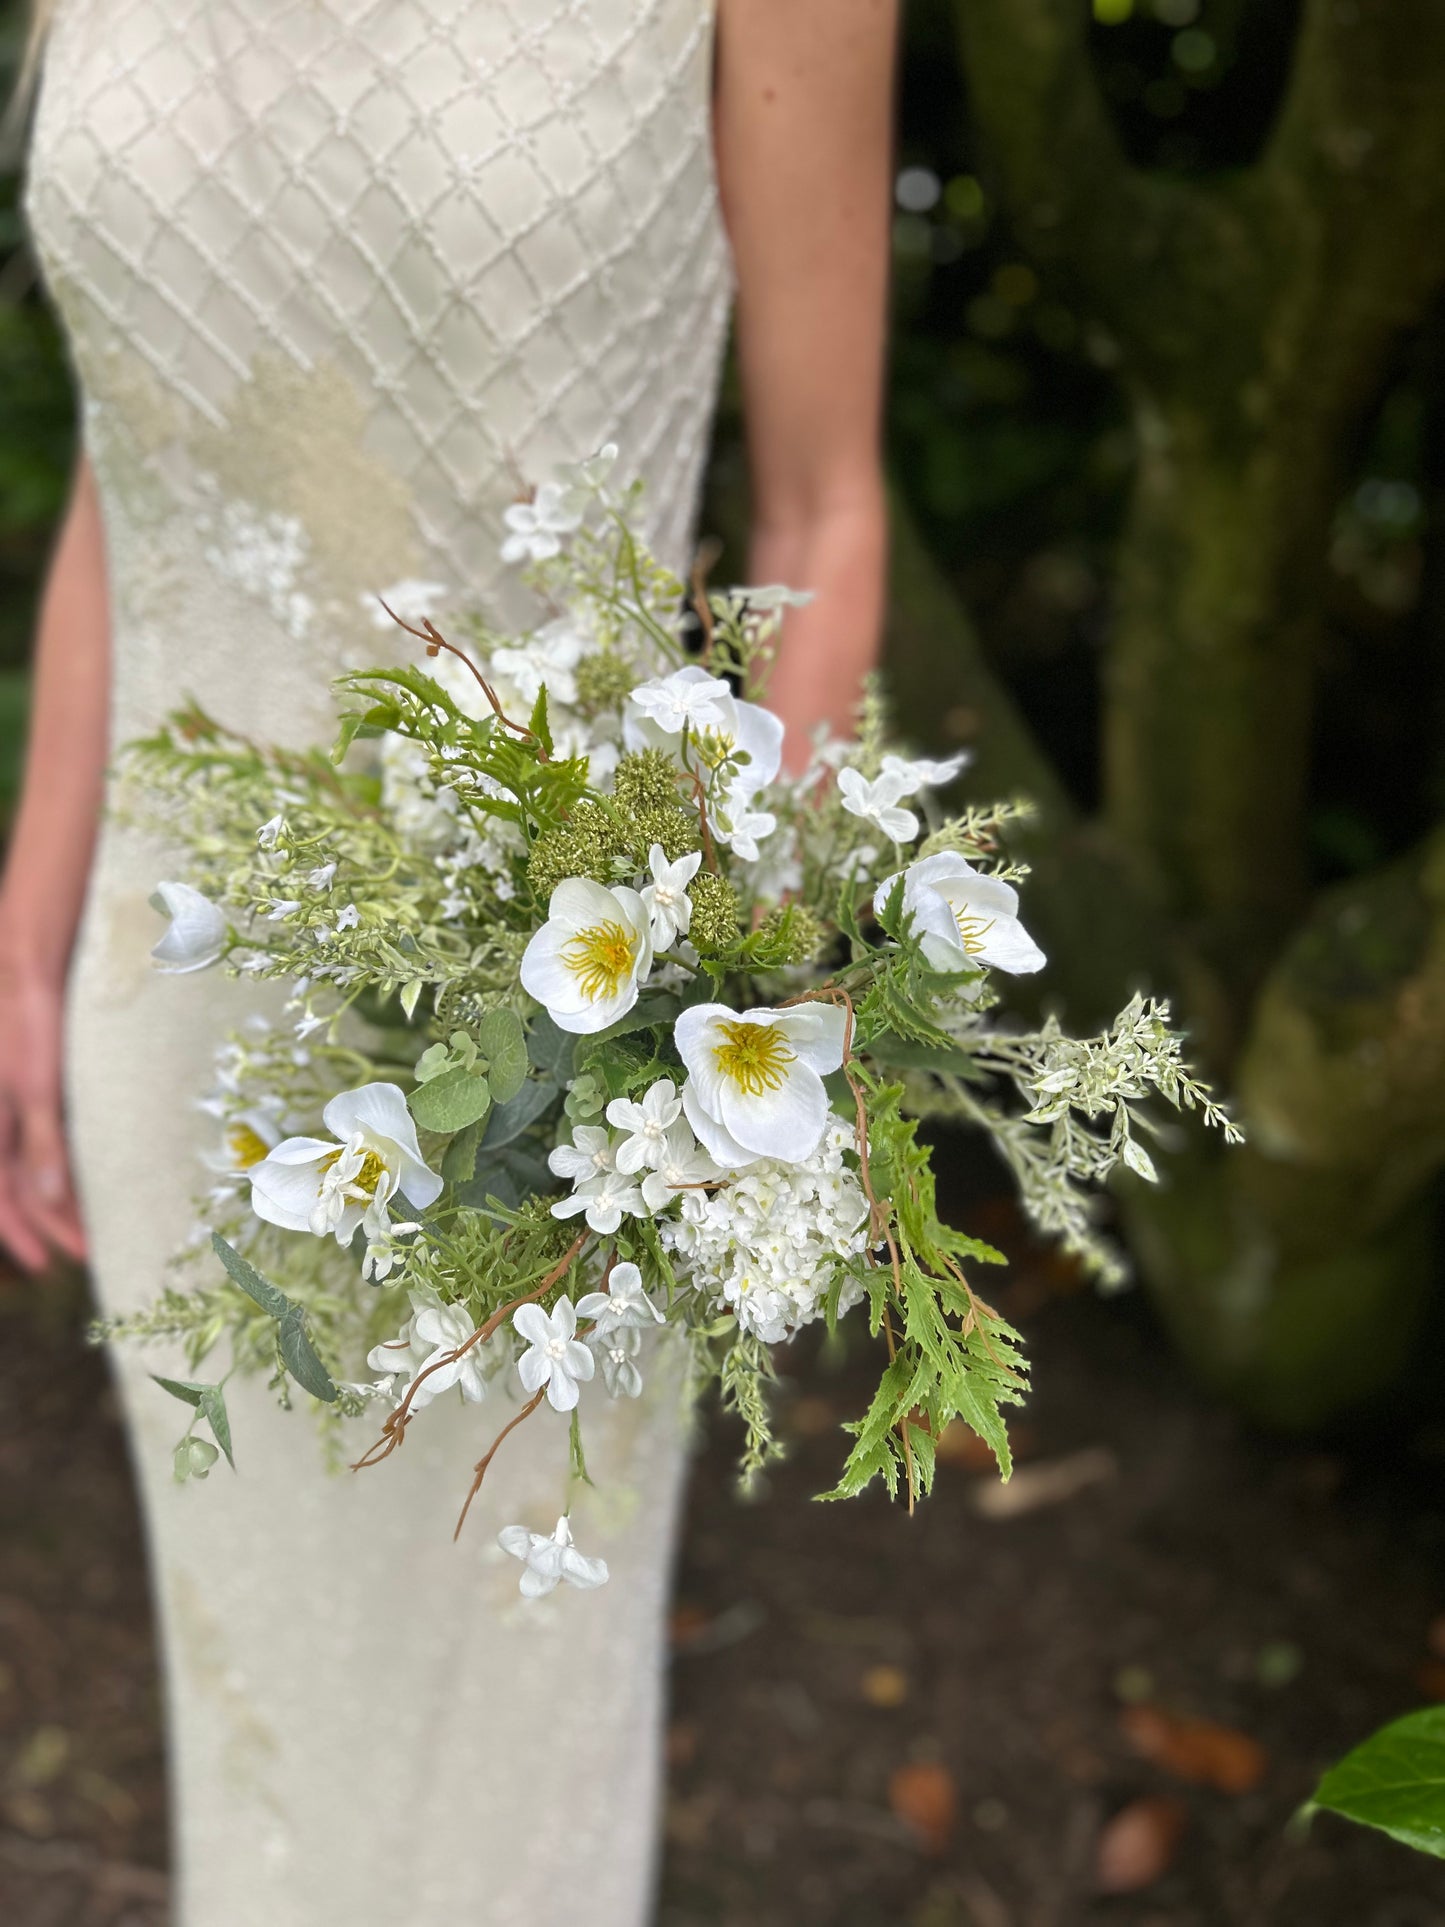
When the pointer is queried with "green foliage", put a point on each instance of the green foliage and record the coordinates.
(1395, 1781)
(294, 1347)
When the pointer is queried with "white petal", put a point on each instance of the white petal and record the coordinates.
(816, 1032)
(720, 1145)
(515, 1539)
(787, 1123)
(533, 1324)
(197, 933)
(562, 1393)
(1009, 946)
(578, 1570)
(534, 1368)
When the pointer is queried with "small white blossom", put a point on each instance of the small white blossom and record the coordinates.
(646, 1123)
(720, 728)
(922, 772)
(271, 832)
(623, 1306)
(382, 1255)
(547, 658)
(548, 1560)
(878, 803)
(321, 877)
(197, 933)
(588, 1155)
(605, 1200)
(348, 918)
(445, 1329)
(616, 1351)
(537, 527)
(742, 828)
(666, 899)
(555, 1356)
(681, 1170)
(283, 907)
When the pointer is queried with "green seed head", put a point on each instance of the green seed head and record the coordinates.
(714, 928)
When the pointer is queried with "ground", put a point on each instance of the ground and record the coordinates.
(1101, 1702)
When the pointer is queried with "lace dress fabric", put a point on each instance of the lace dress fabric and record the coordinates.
(336, 274)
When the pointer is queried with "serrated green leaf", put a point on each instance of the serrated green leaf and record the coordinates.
(1395, 1782)
(503, 1042)
(181, 1388)
(538, 722)
(213, 1411)
(452, 1101)
(272, 1301)
(300, 1358)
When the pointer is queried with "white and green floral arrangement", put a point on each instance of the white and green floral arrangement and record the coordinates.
(604, 1033)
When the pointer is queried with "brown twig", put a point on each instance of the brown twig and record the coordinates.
(393, 1430)
(435, 642)
(480, 1470)
(707, 554)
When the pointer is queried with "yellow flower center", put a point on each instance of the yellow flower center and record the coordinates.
(600, 959)
(755, 1056)
(367, 1178)
(247, 1147)
(972, 929)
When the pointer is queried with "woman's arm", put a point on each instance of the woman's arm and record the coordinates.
(44, 884)
(805, 150)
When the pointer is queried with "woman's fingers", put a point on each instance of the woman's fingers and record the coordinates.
(17, 1232)
(45, 1188)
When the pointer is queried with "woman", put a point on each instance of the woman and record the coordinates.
(335, 276)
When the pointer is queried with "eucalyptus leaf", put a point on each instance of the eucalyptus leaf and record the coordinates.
(452, 1101)
(300, 1358)
(1395, 1781)
(658, 1009)
(459, 1160)
(181, 1388)
(213, 1410)
(503, 1042)
(508, 1121)
(272, 1301)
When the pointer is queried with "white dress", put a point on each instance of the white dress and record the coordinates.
(335, 274)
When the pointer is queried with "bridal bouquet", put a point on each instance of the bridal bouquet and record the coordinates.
(602, 1033)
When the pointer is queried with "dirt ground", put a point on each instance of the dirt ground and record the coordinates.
(1102, 1703)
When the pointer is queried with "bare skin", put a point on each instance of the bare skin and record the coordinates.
(804, 142)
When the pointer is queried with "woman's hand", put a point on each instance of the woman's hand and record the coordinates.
(38, 1210)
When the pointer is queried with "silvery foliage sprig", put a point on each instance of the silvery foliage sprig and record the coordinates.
(603, 1031)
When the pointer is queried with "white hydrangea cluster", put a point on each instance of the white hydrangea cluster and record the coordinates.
(768, 1243)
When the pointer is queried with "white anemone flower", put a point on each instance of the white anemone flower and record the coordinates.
(197, 933)
(555, 1355)
(623, 1306)
(326, 1187)
(586, 962)
(245, 1141)
(550, 1559)
(666, 899)
(755, 1078)
(719, 725)
(682, 1169)
(537, 527)
(617, 1353)
(963, 918)
(646, 1124)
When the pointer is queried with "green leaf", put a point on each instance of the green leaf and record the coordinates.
(272, 1301)
(508, 1121)
(213, 1411)
(503, 1043)
(538, 722)
(181, 1388)
(300, 1358)
(550, 1047)
(659, 1009)
(452, 1101)
(1395, 1781)
(459, 1160)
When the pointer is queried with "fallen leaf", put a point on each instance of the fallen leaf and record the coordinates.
(885, 1686)
(1051, 1483)
(1195, 1750)
(924, 1798)
(1138, 1845)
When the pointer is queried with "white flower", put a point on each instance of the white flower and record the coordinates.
(682, 1167)
(412, 600)
(719, 726)
(537, 527)
(740, 827)
(197, 934)
(321, 877)
(587, 1156)
(271, 832)
(755, 1078)
(403, 1356)
(317, 1185)
(964, 919)
(623, 1306)
(283, 907)
(922, 772)
(666, 899)
(617, 1350)
(647, 1124)
(555, 1355)
(878, 802)
(586, 962)
(548, 1560)
(383, 1255)
(605, 1199)
(445, 1328)
(348, 918)
(549, 657)
(595, 471)
(245, 1140)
